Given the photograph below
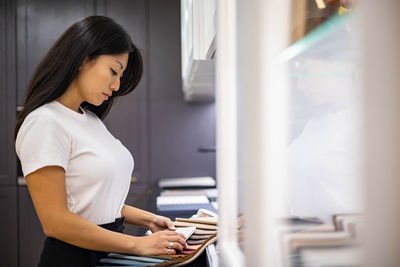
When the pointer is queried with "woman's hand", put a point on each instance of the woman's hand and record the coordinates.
(160, 223)
(163, 242)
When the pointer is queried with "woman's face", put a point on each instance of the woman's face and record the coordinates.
(98, 78)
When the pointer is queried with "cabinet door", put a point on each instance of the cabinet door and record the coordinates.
(7, 93)
(39, 24)
(9, 226)
(3, 92)
(138, 197)
(31, 236)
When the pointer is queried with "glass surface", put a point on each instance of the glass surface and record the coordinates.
(323, 154)
(322, 71)
(324, 120)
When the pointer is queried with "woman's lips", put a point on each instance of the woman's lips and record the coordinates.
(105, 96)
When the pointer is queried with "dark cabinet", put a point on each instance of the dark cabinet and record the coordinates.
(9, 226)
(7, 93)
(3, 94)
(31, 236)
(8, 189)
(137, 197)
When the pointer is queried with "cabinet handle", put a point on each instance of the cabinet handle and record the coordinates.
(134, 179)
(21, 180)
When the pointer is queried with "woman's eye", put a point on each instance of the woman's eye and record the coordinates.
(113, 72)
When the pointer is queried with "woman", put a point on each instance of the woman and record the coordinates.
(77, 173)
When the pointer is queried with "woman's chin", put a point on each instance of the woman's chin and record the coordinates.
(97, 103)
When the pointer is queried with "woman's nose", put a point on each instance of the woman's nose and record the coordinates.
(115, 84)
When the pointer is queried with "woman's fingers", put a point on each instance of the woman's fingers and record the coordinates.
(173, 233)
(164, 222)
(169, 251)
(165, 242)
(175, 240)
(175, 245)
(170, 224)
(179, 238)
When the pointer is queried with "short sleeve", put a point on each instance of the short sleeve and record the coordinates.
(41, 142)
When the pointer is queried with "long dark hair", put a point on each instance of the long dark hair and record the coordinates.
(90, 37)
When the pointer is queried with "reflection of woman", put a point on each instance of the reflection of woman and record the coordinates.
(77, 173)
(324, 157)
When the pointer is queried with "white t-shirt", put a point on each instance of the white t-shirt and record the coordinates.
(97, 166)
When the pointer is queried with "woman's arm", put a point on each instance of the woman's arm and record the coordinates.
(146, 219)
(47, 189)
(137, 216)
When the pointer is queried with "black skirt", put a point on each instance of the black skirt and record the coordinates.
(57, 253)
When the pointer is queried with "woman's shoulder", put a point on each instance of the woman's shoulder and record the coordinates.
(43, 113)
(53, 115)
(44, 118)
(40, 122)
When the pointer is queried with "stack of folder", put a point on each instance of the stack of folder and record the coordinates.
(180, 198)
(199, 232)
(206, 227)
